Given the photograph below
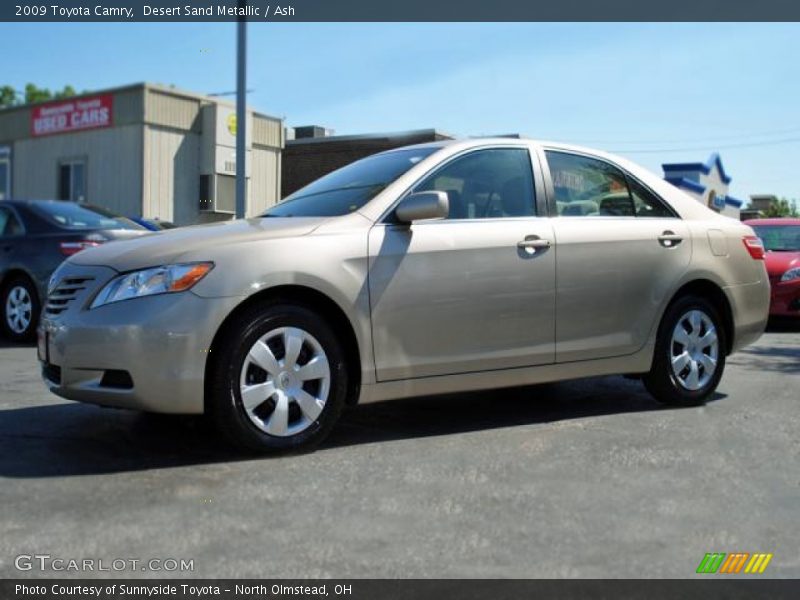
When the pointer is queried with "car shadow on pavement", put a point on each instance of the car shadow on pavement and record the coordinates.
(6, 344)
(68, 439)
(783, 325)
(778, 359)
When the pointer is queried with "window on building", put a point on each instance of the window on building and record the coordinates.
(72, 181)
(484, 184)
(5, 174)
(586, 187)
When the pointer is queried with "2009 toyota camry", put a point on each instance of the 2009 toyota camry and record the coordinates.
(429, 269)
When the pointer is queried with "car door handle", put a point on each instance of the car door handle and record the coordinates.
(532, 243)
(669, 239)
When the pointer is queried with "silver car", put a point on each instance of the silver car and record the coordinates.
(428, 269)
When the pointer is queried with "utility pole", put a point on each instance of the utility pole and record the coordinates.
(241, 114)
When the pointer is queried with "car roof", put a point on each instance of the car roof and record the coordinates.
(481, 141)
(776, 222)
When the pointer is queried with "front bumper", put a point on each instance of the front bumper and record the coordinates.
(160, 342)
(785, 301)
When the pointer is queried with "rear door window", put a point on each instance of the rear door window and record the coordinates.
(588, 187)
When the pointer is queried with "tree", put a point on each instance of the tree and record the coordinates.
(35, 94)
(781, 208)
(65, 93)
(10, 97)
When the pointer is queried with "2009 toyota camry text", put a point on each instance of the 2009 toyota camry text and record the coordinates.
(429, 269)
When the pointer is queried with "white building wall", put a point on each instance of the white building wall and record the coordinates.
(113, 159)
(171, 175)
(264, 188)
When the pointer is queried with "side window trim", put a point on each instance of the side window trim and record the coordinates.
(537, 176)
(552, 210)
(661, 201)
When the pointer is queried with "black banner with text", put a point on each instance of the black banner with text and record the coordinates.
(407, 10)
(393, 589)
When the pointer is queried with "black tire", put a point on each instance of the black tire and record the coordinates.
(224, 403)
(12, 286)
(662, 382)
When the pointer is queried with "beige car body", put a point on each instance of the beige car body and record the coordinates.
(438, 306)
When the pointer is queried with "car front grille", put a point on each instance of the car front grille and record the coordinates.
(64, 293)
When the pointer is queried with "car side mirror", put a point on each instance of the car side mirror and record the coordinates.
(423, 205)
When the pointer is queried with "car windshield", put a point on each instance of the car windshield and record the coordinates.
(73, 216)
(779, 238)
(351, 187)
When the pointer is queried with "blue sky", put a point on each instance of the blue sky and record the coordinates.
(652, 92)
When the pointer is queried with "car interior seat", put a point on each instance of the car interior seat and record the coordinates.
(514, 199)
(457, 208)
(580, 208)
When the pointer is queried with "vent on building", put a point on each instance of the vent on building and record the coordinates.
(311, 131)
(218, 194)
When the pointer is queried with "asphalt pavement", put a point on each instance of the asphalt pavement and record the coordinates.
(588, 478)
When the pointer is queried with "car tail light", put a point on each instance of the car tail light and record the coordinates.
(70, 248)
(754, 246)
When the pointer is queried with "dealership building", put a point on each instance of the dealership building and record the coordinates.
(707, 182)
(140, 150)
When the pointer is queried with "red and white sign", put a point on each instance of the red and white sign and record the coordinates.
(72, 115)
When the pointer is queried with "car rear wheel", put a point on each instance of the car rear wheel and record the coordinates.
(20, 307)
(689, 355)
(279, 380)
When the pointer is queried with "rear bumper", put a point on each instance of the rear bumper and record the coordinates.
(750, 308)
(160, 342)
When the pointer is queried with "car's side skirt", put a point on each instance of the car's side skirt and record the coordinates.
(639, 362)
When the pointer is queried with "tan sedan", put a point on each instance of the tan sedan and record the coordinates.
(429, 269)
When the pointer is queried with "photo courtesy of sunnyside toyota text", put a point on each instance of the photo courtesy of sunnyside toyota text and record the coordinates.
(425, 299)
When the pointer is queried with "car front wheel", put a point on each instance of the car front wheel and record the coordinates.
(20, 307)
(279, 380)
(689, 355)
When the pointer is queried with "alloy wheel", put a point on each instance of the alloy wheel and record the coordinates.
(694, 350)
(19, 309)
(285, 381)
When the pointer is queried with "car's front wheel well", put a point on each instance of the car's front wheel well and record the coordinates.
(13, 274)
(714, 294)
(313, 300)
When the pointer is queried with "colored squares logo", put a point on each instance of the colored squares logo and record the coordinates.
(734, 563)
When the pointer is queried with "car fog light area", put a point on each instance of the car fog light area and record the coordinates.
(148, 282)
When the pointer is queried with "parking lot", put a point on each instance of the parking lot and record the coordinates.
(580, 479)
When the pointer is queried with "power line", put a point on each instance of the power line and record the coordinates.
(709, 139)
(708, 148)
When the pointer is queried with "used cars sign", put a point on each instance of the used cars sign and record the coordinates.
(72, 115)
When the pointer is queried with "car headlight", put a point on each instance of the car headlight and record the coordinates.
(166, 279)
(791, 274)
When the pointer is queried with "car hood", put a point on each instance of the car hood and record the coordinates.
(780, 262)
(169, 246)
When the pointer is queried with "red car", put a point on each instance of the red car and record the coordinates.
(781, 239)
